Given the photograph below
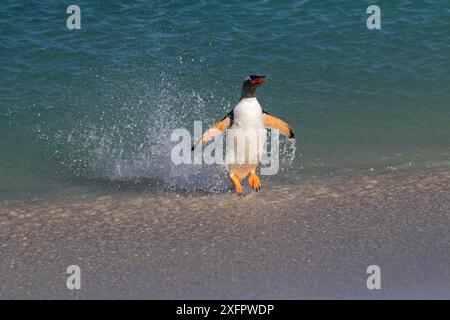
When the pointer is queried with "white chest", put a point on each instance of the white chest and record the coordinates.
(248, 114)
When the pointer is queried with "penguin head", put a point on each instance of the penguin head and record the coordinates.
(250, 84)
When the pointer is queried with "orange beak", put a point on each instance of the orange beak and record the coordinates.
(259, 80)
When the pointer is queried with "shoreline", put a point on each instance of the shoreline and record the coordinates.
(219, 185)
(314, 239)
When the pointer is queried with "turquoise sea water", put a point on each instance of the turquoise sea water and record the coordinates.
(101, 102)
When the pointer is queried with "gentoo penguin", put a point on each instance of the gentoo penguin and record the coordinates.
(246, 116)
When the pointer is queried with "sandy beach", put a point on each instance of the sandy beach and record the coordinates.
(311, 240)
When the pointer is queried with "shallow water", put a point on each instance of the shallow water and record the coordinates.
(101, 102)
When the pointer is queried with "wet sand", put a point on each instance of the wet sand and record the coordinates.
(310, 240)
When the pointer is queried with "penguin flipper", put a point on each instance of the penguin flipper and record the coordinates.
(272, 122)
(216, 129)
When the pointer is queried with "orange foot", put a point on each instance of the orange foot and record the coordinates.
(254, 181)
(237, 183)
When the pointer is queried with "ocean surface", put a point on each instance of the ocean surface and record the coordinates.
(97, 106)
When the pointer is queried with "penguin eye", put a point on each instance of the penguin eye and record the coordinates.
(248, 79)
